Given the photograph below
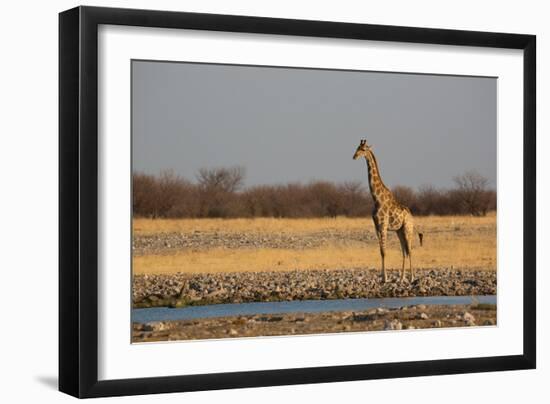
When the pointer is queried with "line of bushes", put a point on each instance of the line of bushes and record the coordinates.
(219, 192)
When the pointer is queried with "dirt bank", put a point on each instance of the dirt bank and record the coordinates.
(405, 318)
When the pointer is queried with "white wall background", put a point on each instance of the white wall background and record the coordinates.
(28, 197)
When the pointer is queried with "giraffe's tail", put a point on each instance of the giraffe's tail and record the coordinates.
(420, 237)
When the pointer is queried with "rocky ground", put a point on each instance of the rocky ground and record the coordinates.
(183, 289)
(167, 243)
(405, 318)
(171, 242)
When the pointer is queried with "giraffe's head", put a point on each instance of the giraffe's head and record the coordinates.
(362, 150)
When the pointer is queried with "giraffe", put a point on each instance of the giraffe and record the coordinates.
(388, 213)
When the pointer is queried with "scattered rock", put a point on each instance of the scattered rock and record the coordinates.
(211, 288)
(423, 316)
(165, 242)
(469, 319)
(393, 325)
(154, 326)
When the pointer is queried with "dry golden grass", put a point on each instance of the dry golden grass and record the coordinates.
(450, 241)
(143, 226)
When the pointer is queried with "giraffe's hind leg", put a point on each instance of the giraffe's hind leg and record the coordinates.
(404, 250)
(408, 232)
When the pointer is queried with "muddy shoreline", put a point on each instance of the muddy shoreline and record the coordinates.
(183, 289)
(381, 319)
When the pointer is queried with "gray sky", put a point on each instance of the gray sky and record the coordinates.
(288, 125)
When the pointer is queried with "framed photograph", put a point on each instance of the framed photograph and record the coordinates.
(250, 201)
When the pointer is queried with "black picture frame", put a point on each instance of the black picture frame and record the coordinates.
(78, 201)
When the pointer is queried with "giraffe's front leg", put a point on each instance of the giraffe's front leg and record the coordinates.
(383, 237)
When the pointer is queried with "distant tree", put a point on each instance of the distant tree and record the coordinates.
(257, 201)
(170, 191)
(324, 199)
(158, 196)
(144, 191)
(406, 196)
(473, 193)
(217, 188)
(355, 199)
(220, 192)
(221, 178)
(429, 200)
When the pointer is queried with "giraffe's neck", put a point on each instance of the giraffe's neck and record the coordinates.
(377, 187)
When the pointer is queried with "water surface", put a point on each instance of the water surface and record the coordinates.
(297, 306)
